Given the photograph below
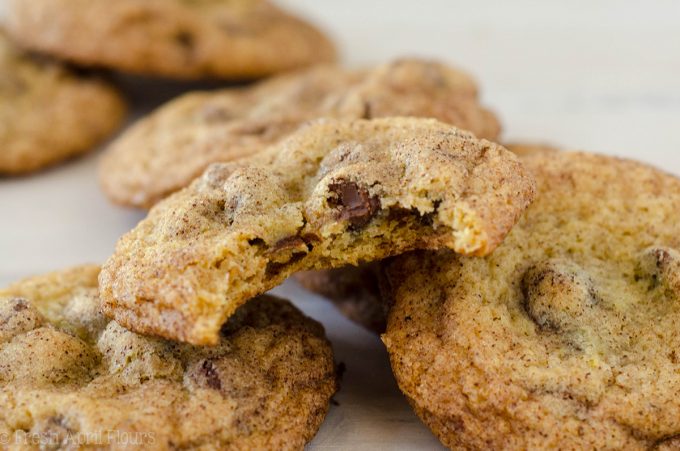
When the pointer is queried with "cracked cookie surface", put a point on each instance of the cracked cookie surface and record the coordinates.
(566, 336)
(230, 39)
(49, 113)
(168, 149)
(334, 193)
(68, 374)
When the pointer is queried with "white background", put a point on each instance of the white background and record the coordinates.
(602, 76)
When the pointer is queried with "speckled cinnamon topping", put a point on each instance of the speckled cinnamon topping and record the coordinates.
(334, 193)
(168, 149)
(355, 289)
(69, 376)
(566, 336)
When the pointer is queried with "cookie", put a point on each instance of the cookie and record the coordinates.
(185, 39)
(168, 149)
(49, 113)
(334, 193)
(566, 336)
(70, 376)
(525, 148)
(353, 289)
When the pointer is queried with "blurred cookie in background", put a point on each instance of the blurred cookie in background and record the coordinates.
(49, 112)
(166, 150)
(523, 149)
(225, 39)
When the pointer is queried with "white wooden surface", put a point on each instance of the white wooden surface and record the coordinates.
(601, 76)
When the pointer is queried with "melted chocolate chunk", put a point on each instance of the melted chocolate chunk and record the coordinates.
(294, 242)
(355, 202)
(291, 242)
(557, 295)
(289, 250)
(273, 268)
(212, 377)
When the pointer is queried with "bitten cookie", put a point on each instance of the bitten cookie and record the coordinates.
(355, 289)
(168, 149)
(49, 113)
(70, 378)
(566, 336)
(229, 39)
(332, 194)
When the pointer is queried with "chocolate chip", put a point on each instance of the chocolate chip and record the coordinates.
(399, 214)
(288, 243)
(289, 250)
(20, 305)
(212, 377)
(428, 218)
(54, 431)
(356, 204)
(310, 238)
(274, 268)
(557, 295)
(185, 39)
(295, 243)
(367, 113)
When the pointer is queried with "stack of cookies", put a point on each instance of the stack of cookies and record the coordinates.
(528, 297)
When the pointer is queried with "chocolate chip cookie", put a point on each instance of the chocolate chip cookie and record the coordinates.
(332, 194)
(229, 39)
(355, 289)
(70, 378)
(168, 149)
(48, 112)
(566, 336)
